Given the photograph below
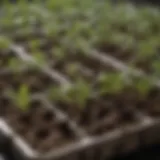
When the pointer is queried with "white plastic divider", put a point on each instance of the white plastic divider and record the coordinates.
(21, 53)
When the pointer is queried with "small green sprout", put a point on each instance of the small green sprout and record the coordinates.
(146, 50)
(77, 94)
(4, 43)
(111, 83)
(83, 45)
(39, 57)
(117, 38)
(72, 68)
(55, 93)
(59, 53)
(80, 92)
(21, 98)
(14, 64)
(34, 44)
(142, 85)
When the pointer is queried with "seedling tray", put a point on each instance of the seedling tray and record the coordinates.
(117, 142)
(69, 92)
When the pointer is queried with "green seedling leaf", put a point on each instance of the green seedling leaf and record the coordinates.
(14, 64)
(79, 93)
(117, 38)
(147, 49)
(40, 57)
(82, 45)
(59, 53)
(72, 68)
(55, 93)
(111, 83)
(55, 5)
(143, 86)
(35, 43)
(4, 43)
(22, 97)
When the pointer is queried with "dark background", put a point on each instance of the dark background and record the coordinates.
(151, 153)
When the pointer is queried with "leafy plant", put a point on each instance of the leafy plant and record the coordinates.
(77, 94)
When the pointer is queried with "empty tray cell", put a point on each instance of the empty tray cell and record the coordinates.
(38, 126)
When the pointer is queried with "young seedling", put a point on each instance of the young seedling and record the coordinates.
(80, 92)
(111, 83)
(59, 53)
(142, 85)
(72, 69)
(146, 50)
(55, 93)
(15, 64)
(35, 44)
(4, 43)
(39, 57)
(76, 94)
(83, 45)
(22, 98)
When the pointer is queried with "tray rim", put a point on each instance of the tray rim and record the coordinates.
(80, 145)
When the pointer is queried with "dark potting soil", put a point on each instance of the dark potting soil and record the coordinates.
(38, 126)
